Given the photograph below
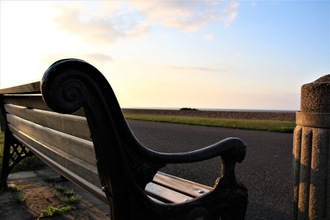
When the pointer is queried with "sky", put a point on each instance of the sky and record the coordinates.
(173, 54)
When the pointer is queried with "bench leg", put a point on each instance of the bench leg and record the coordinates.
(13, 153)
(238, 210)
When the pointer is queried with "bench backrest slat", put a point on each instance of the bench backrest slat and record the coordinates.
(62, 140)
(77, 147)
(27, 88)
(75, 165)
(30, 101)
(33, 101)
(71, 175)
(69, 124)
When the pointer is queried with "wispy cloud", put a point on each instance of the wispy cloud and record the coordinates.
(208, 36)
(108, 21)
(106, 25)
(230, 11)
(187, 15)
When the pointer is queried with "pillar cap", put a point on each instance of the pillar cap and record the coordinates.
(315, 96)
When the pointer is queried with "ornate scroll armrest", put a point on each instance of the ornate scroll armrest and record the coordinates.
(231, 150)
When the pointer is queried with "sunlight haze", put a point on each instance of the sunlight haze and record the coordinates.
(173, 54)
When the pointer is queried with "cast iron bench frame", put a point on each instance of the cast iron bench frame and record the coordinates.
(75, 91)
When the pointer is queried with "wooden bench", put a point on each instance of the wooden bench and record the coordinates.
(72, 121)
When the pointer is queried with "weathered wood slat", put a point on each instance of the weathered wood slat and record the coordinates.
(26, 88)
(29, 101)
(33, 101)
(77, 147)
(95, 190)
(75, 165)
(166, 195)
(181, 185)
(70, 124)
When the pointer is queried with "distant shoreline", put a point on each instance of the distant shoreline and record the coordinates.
(244, 114)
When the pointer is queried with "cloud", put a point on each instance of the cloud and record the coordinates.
(105, 26)
(109, 21)
(230, 12)
(208, 36)
(187, 15)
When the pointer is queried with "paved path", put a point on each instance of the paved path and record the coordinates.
(266, 169)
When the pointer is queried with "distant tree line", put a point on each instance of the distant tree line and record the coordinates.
(189, 109)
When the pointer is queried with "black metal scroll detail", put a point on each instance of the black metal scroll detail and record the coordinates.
(64, 94)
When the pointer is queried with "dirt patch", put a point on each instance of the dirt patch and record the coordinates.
(39, 194)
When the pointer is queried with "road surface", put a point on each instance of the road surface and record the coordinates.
(266, 170)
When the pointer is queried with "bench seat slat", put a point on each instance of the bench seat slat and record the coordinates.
(181, 185)
(166, 195)
(70, 124)
(75, 165)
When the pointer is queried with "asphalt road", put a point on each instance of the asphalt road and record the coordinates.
(266, 170)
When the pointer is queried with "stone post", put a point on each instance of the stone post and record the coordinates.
(311, 153)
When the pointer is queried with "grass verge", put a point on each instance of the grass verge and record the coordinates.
(261, 125)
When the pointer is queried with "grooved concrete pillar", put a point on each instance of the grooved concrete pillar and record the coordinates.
(311, 153)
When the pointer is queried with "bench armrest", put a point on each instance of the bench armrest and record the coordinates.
(230, 149)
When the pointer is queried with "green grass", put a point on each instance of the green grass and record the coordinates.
(70, 196)
(261, 125)
(73, 199)
(51, 210)
(17, 198)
